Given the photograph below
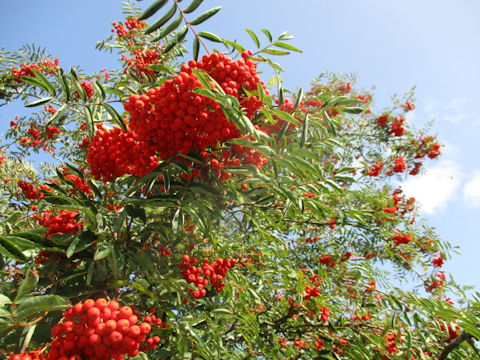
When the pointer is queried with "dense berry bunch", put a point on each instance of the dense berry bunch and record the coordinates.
(116, 152)
(88, 88)
(208, 272)
(48, 66)
(29, 355)
(175, 119)
(397, 127)
(131, 23)
(400, 165)
(60, 222)
(78, 183)
(400, 238)
(98, 330)
(30, 191)
(375, 169)
(142, 59)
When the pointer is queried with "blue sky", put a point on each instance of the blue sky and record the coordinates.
(392, 46)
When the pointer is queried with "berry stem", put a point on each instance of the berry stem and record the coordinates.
(191, 27)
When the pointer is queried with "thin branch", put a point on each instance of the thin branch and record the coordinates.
(464, 336)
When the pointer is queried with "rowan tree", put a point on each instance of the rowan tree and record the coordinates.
(194, 210)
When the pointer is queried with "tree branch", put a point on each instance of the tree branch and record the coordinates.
(464, 336)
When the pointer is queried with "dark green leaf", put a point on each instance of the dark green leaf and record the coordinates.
(205, 16)
(152, 9)
(254, 37)
(31, 279)
(193, 6)
(196, 48)
(56, 118)
(64, 83)
(39, 102)
(40, 304)
(116, 118)
(304, 131)
(9, 249)
(89, 120)
(99, 89)
(298, 98)
(352, 110)
(163, 20)
(177, 37)
(43, 80)
(171, 27)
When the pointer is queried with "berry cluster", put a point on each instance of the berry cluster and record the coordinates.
(200, 275)
(59, 222)
(400, 165)
(327, 260)
(113, 153)
(175, 119)
(48, 67)
(98, 330)
(400, 238)
(29, 355)
(78, 183)
(131, 23)
(141, 61)
(30, 191)
(375, 169)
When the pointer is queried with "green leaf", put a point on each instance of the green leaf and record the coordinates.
(209, 36)
(163, 20)
(43, 80)
(285, 36)
(9, 249)
(81, 242)
(31, 279)
(254, 37)
(352, 110)
(193, 6)
(234, 45)
(39, 102)
(177, 37)
(334, 184)
(298, 98)
(286, 46)
(58, 116)
(4, 300)
(196, 48)
(274, 52)
(171, 27)
(205, 16)
(304, 131)
(39, 304)
(99, 89)
(152, 9)
(116, 118)
(267, 34)
(64, 84)
(103, 249)
(89, 120)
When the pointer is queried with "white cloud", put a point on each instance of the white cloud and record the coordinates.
(471, 190)
(436, 187)
(452, 112)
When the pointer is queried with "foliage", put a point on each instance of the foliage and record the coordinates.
(232, 218)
